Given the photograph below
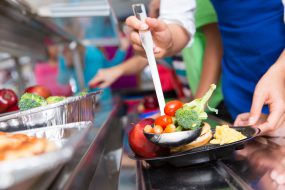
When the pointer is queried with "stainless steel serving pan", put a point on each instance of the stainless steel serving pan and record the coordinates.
(66, 137)
(72, 109)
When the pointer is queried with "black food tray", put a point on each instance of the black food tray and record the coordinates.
(207, 153)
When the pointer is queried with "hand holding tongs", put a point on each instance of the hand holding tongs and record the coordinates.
(148, 45)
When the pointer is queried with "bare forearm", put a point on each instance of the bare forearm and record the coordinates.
(178, 41)
(133, 65)
(212, 59)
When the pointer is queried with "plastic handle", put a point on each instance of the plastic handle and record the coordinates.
(147, 43)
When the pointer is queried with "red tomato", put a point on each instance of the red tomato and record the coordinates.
(171, 107)
(139, 143)
(163, 121)
(39, 90)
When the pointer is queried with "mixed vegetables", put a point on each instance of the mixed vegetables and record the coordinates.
(179, 116)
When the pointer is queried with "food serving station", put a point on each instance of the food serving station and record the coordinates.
(91, 136)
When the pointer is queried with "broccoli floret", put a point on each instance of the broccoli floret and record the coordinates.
(192, 114)
(188, 119)
(29, 101)
(54, 99)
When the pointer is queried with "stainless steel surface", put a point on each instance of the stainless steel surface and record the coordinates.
(21, 84)
(22, 33)
(77, 63)
(89, 22)
(93, 166)
(73, 109)
(66, 138)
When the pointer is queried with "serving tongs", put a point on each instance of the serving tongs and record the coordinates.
(170, 139)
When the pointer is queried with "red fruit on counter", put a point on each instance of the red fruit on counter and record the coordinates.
(39, 90)
(3, 105)
(139, 143)
(10, 96)
(13, 108)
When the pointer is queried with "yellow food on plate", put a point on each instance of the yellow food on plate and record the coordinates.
(225, 135)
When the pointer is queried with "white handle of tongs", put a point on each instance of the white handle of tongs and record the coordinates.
(148, 45)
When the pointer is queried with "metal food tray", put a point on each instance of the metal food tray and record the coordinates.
(72, 109)
(66, 138)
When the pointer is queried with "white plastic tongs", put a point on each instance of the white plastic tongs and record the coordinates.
(148, 45)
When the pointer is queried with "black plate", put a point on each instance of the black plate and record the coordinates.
(207, 153)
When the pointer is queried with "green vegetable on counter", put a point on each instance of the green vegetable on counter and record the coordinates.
(192, 114)
(55, 99)
(83, 93)
(29, 101)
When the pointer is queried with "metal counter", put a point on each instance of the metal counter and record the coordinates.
(96, 159)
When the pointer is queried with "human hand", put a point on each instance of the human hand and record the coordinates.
(105, 77)
(161, 35)
(270, 90)
(243, 120)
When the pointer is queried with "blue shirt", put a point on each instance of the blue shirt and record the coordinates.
(93, 61)
(253, 35)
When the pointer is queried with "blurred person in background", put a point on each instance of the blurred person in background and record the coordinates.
(46, 72)
(92, 59)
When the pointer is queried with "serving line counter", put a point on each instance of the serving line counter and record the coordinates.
(101, 162)
(96, 161)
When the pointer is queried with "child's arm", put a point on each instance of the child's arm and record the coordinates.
(212, 59)
(120, 53)
(105, 77)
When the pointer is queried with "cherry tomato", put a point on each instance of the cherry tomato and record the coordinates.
(148, 129)
(157, 129)
(171, 107)
(169, 128)
(163, 121)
